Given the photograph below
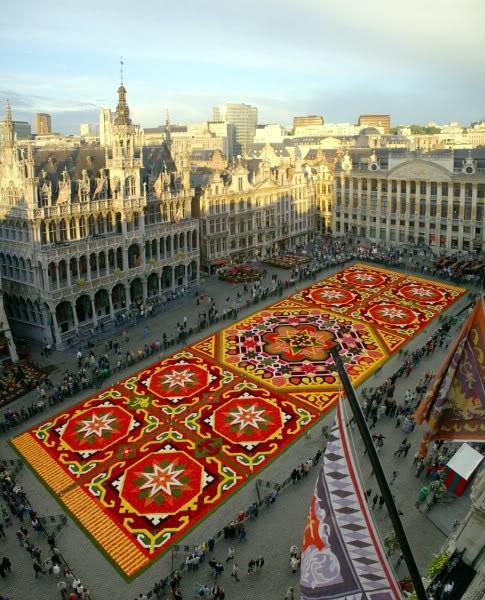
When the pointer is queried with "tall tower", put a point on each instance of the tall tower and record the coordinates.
(125, 159)
(43, 123)
(168, 134)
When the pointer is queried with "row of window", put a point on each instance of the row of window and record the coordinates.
(400, 236)
(14, 230)
(414, 206)
(420, 187)
(73, 229)
(281, 200)
(412, 224)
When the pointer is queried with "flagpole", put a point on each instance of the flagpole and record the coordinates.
(380, 477)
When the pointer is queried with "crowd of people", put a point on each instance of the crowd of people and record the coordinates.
(94, 364)
(19, 512)
(235, 531)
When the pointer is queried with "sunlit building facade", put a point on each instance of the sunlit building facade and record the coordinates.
(87, 232)
(434, 199)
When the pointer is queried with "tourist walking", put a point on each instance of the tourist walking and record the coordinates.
(290, 595)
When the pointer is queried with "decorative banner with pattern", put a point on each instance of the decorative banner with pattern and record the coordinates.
(342, 556)
(454, 407)
(141, 463)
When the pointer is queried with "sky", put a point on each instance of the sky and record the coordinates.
(418, 60)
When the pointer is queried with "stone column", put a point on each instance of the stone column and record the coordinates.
(74, 316)
(68, 273)
(111, 308)
(57, 332)
(95, 316)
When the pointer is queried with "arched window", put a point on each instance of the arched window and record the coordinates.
(109, 223)
(136, 220)
(91, 229)
(53, 231)
(45, 195)
(82, 227)
(130, 186)
(43, 233)
(72, 229)
(63, 230)
(100, 223)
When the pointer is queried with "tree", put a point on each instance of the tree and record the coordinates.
(424, 130)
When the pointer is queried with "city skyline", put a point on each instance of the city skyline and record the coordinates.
(285, 58)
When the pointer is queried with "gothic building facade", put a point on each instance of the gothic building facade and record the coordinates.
(87, 232)
(254, 210)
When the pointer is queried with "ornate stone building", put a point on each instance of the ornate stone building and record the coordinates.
(256, 210)
(85, 232)
(435, 199)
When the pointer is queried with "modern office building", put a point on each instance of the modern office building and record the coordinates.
(21, 130)
(382, 121)
(244, 118)
(105, 121)
(43, 124)
(307, 121)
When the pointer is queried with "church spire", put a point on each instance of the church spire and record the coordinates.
(8, 135)
(122, 110)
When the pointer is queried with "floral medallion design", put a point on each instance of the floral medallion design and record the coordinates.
(247, 420)
(288, 348)
(393, 315)
(178, 381)
(422, 294)
(162, 483)
(331, 296)
(364, 278)
(295, 344)
(96, 428)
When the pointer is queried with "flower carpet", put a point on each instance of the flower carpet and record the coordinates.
(141, 463)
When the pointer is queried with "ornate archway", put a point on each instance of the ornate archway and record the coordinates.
(64, 316)
(84, 308)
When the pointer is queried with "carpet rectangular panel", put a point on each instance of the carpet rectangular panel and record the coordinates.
(141, 463)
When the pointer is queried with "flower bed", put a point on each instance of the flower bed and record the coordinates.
(240, 274)
(287, 261)
(17, 380)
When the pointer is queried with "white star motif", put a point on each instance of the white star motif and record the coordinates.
(178, 378)
(97, 425)
(162, 479)
(364, 277)
(392, 313)
(247, 417)
(331, 294)
(422, 292)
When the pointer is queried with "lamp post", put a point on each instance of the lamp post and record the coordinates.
(379, 475)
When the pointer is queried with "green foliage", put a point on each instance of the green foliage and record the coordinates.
(390, 542)
(437, 564)
(423, 130)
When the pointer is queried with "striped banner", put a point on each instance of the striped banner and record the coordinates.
(342, 556)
